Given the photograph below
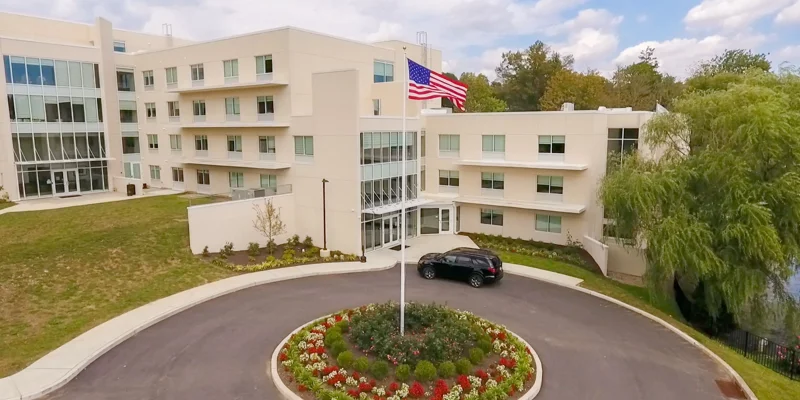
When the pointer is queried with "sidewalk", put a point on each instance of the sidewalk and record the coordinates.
(51, 203)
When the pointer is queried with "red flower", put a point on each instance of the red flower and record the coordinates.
(356, 375)
(509, 363)
(464, 382)
(416, 390)
(338, 318)
(394, 386)
(302, 388)
(364, 387)
(482, 374)
(501, 336)
(283, 357)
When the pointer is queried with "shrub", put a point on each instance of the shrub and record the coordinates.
(485, 345)
(338, 347)
(379, 369)
(313, 251)
(253, 249)
(219, 262)
(344, 326)
(333, 336)
(402, 372)
(362, 365)
(476, 355)
(447, 370)
(271, 246)
(288, 255)
(294, 240)
(463, 367)
(228, 248)
(425, 371)
(251, 259)
(206, 253)
(307, 242)
(345, 359)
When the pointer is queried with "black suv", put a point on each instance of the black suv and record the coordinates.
(475, 266)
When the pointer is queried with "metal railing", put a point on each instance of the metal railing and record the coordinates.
(782, 359)
(382, 198)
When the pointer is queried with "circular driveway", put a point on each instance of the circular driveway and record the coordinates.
(590, 349)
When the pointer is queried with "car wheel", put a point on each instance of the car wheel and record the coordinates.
(428, 273)
(475, 280)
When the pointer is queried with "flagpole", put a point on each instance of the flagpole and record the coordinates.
(404, 185)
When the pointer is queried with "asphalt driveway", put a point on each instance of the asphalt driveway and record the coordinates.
(590, 349)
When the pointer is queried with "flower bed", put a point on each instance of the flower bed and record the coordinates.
(445, 354)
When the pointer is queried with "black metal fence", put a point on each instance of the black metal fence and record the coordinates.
(779, 358)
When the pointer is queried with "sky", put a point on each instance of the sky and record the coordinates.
(473, 34)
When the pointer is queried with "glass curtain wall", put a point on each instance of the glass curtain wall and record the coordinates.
(378, 230)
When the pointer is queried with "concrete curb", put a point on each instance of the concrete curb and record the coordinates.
(58, 367)
(288, 394)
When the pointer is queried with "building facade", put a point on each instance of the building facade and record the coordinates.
(92, 109)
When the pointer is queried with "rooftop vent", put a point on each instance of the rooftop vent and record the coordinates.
(568, 107)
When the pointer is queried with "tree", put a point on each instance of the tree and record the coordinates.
(587, 91)
(640, 85)
(721, 207)
(523, 75)
(725, 69)
(480, 95)
(268, 222)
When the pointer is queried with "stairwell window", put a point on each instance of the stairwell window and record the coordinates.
(548, 223)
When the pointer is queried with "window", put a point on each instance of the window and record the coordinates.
(175, 142)
(231, 68)
(266, 144)
(265, 105)
(494, 143)
(132, 170)
(448, 178)
(376, 106)
(177, 174)
(155, 172)
(551, 144)
(269, 181)
(548, 223)
(550, 184)
(384, 71)
(148, 78)
(7, 68)
(235, 143)
(201, 142)
(124, 81)
(172, 75)
(491, 217)
(127, 111)
(198, 72)
(232, 105)
(130, 145)
(119, 46)
(199, 107)
(174, 108)
(304, 145)
(203, 177)
(264, 64)
(48, 73)
(236, 179)
(151, 109)
(623, 141)
(449, 143)
(492, 180)
(152, 141)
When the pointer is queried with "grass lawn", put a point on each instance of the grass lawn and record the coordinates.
(6, 204)
(765, 383)
(65, 271)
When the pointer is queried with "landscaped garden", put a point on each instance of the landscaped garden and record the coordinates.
(445, 354)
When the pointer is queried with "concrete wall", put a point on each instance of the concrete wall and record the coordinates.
(215, 224)
(625, 260)
(598, 251)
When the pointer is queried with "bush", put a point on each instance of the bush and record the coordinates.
(293, 241)
(307, 242)
(345, 359)
(333, 336)
(402, 372)
(447, 370)
(288, 255)
(485, 345)
(251, 259)
(425, 371)
(379, 369)
(253, 249)
(344, 326)
(463, 367)
(219, 262)
(271, 246)
(338, 347)
(476, 355)
(362, 365)
(228, 248)
(206, 253)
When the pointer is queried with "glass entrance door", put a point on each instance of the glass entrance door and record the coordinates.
(65, 181)
(59, 182)
(445, 218)
(390, 230)
(429, 221)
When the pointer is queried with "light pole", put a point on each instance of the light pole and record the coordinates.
(324, 252)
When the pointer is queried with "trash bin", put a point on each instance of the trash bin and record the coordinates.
(131, 189)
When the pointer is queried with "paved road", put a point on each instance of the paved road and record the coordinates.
(590, 349)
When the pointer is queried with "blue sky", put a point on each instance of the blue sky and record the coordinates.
(473, 34)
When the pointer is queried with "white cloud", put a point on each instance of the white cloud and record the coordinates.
(786, 55)
(641, 18)
(731, 14)
(678, 56)
(790, 14)
(591, 36)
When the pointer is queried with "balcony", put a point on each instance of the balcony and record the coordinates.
(553, 165)
(527, 205)
(228, 86)
(235, 163)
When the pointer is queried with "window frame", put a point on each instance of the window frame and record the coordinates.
(549, 185)
(198, 106)
(449, 146)
(198, 72)
(549, 142)
(549, 227)
(234, 106)
(239, 179)
(495, 216)
(270, 178)
(150, 110)
(230, 68)
(384, 77)
(448, 179)
(494, 145)
(303, 150)
(376, 107)
(155, 172)
(268, 140)
(152, 141)
(175, 142)
(173, 75)
(174, 108)
(203, 173)
(493, 182)
(269, 103)
(262, 61)
(201, 141)
(149, 78)
(177, 174)
(234, 143)
(119, 44)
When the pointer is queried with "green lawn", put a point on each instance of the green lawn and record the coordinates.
(65, 271)
(765, 383)
(6, 204)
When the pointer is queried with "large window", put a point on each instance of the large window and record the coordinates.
(177, 174)
(264, 64)
(151, 109)
(384, 147)
(175, 142)
(492, 180)
(152, 141)
(231, 68)
(155, 172)
(203, 177)
(269, 181)
(448, 178)
(119, 46)
(623, 141)
(266, 144)
(551, 144)
(494, 143)
(550, 184)
(127, 111)
(265, 105)
(232, 106)
(130, 145)
(491, 217)
(55, 146)
(304, 145)
(384, 71)
(198, 72)
(236, 179)
(174, 108)
(148, 78)
(201, 142)
(235, 144)
(199, 107)
(172, 75)
(548, 223)
(449, 143)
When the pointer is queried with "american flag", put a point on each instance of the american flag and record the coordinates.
(424, 84)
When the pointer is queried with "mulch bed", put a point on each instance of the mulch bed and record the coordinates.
(242, 257)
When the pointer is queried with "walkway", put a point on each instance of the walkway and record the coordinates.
(591, 349)
(82, 200)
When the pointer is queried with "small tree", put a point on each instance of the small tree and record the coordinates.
(268, 222)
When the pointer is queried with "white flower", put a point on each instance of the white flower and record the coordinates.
(302, 345)
(303, 357)
(324, 356)
(363, 396)
(362, 379)
(338, 385)
(474, 381)
(351, 381)
(287, 363)
(380, 391)
(490, 383)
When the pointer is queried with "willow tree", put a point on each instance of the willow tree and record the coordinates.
(721, 205)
